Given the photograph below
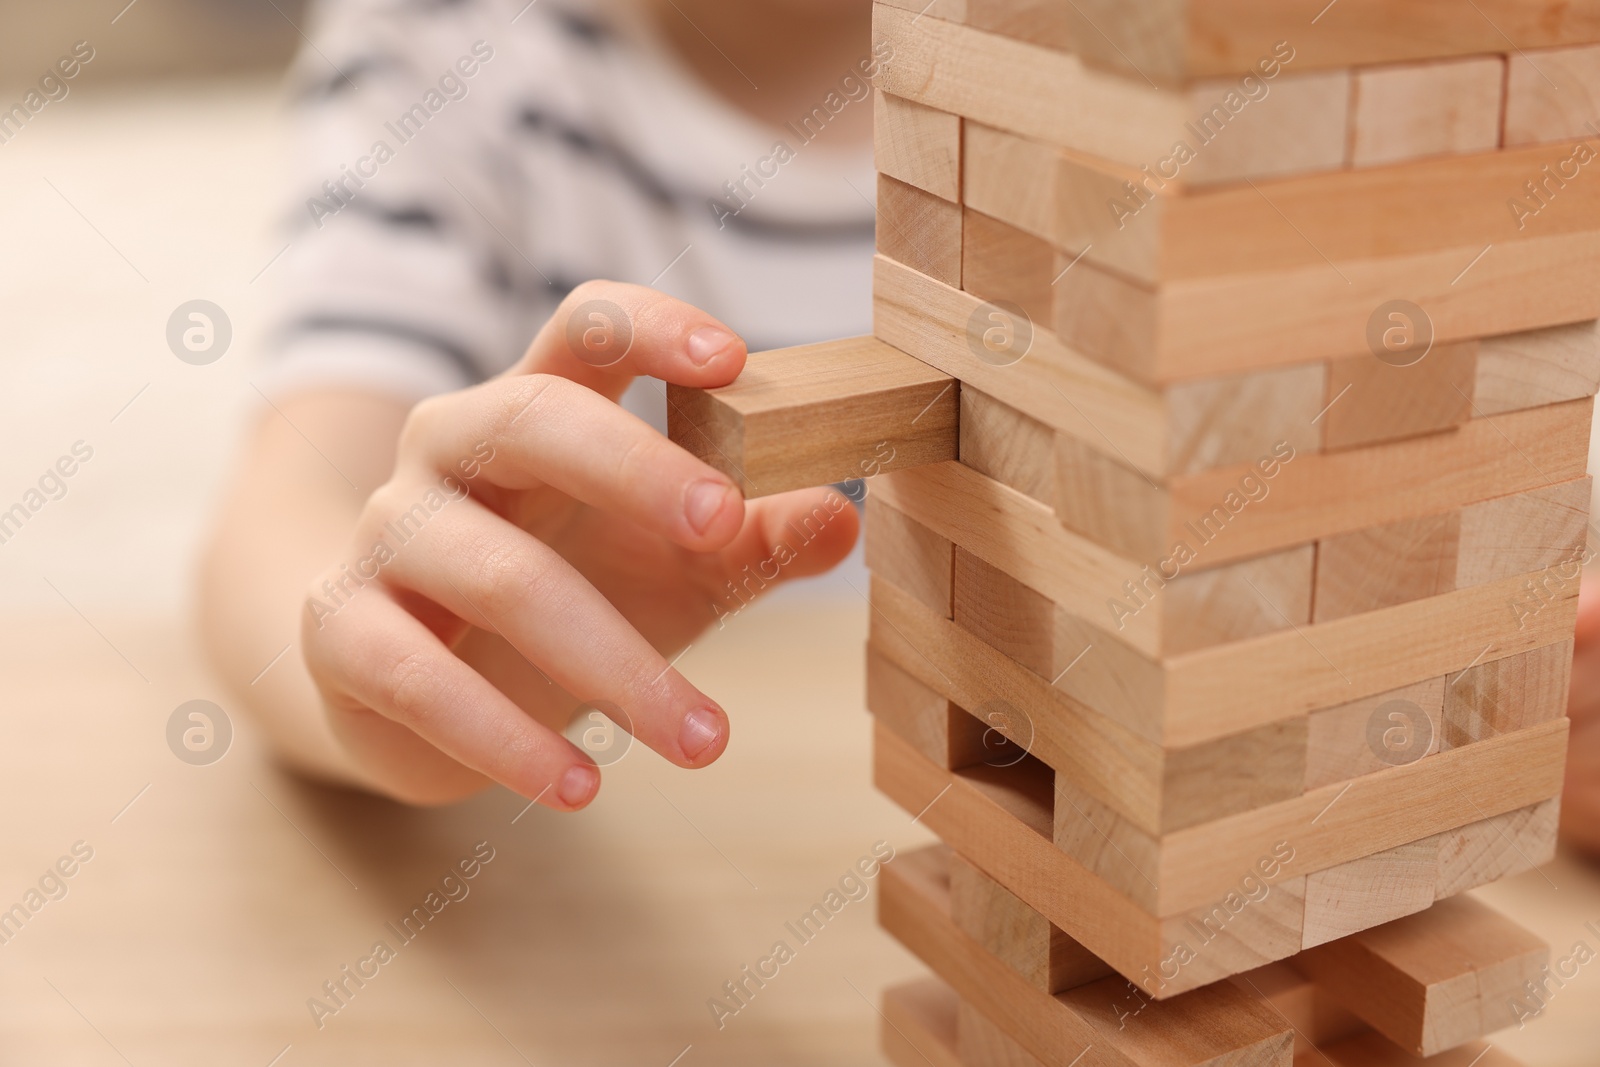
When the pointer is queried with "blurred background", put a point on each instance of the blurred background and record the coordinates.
(220, 898)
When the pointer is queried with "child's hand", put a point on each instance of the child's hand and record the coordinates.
(592, 545)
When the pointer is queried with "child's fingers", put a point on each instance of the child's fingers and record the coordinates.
(791, 535)
(546, 430)
(496, 576)
(374, 654)
(605, 333)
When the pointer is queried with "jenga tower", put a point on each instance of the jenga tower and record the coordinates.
(1225, 430)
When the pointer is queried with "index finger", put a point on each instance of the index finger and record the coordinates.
(605, 334)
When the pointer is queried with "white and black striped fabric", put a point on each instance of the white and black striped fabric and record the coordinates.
(460, 165)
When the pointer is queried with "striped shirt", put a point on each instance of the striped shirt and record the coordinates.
(462, 164)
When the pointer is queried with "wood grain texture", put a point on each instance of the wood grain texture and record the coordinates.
(910, 555)
(917, 145)
(1003, 827)
(1339, 745)
(919, 229)
(1002, 443)
(1216, 1026)
(1386, 565)
(981, 1043)
(1365, 892)
(951, 67)
(1414, 110)
(1508, 694)
(1197, 328)
(1001, 262)
(1186, 427)
(1373, 401)
(1016, 934)
(1552, 95)
(919, 1024)
(1005, 614)
(1213, 692)
(1173, 43)
(1537, 367)
(1316, 1018)
(1288, 499)
(1154, 230)
(938, 729)
(1494, 848)
(1434, 980)
(1296, 124)
(815, 414)
(1540, 532)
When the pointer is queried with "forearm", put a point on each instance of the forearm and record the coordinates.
(288, 514)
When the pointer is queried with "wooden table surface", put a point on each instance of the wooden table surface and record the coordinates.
(219, 898)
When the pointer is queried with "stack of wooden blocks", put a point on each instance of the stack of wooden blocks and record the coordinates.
(1226, 422)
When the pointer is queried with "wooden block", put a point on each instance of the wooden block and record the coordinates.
(951, 67)
(918, 145)
(806, 416)
(919, 229)
(919, 1024)
(1153, 230)
(1064, 200)
(1230, 603)
(938, 729)
(1414, 110)
(1382, 566)
(1362, 893)
(983, 1044)
(1371, 400)
(1001, 442)
(1202, 327)
(1507, 694)
(1542, 531)
(1005, 614)
(1156, 790)
(1186, 427)
(1498, 847)
(1016, 934)
(1357, 738)
(1001, 262)
(1225, 689)
(1216, 1026)
(1315, 1017)
(909, 555)
(1172, 43)
(1552, 95)
(1101, 756)
(1375, 1050)
(1287, 499)
(1537, 367)
(1003, 826)
(1434, 980)
(1294, 124)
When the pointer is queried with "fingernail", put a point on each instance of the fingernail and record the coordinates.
(701, 729)
(708, 342)
(705, 499)
(578, 785)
